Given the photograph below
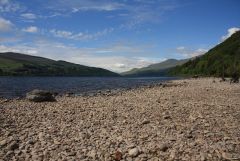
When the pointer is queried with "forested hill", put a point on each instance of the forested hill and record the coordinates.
(15, 64)
(222, 60)
(158, 69)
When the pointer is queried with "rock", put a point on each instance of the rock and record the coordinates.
(30, 142)
(164, 147)
(226, 156)
(227, 138)
(118, 156)
(166, 115)
(172, 155)
(72, 153)
(40, 96)
(195, 76)
(40, 136)
(3, 142)
(133, 152)
(145, 122)
(14, 145)
(56, 142)
(92, 154)
(203, 156)
(9, 153)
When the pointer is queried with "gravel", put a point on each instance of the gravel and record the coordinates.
(192, 119)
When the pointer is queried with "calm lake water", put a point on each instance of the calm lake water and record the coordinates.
(11, 87)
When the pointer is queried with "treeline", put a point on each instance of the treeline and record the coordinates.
(15, 64)
(221, 61)
(35, 70)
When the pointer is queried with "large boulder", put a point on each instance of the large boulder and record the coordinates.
(40, 96)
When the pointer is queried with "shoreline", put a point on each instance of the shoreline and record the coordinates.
(189, 119)
(104, 91)
(77, 89)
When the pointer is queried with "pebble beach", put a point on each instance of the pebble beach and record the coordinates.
(190, 119)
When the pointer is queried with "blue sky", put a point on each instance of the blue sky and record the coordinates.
(116, 34)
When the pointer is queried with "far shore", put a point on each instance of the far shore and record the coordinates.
(188, 119)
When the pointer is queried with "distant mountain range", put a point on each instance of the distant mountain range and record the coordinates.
(222, 60)
(15, 64)
(158, 69)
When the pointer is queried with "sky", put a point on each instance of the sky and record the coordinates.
(116, 34)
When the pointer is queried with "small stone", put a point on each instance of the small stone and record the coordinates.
(56, 142)
(226, 156)
(118, 156)
(40, 136)
(30, 142)
(189, 136)
(166, 117)
(172, 139)
(145, 122)
(92, 154)
(72, 153)
(203, 156)
(14, 145)
(3, 142)
(227, 138)
(172, 155)
(133, 152)
(164, 147)
(155, 159)
(9, 153)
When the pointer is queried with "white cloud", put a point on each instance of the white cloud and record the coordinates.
(180, 48)
(120, 65)
(189, 53)
(30, 16)
(103, 7)
(114, 63)
(80, 35)
(9, 6)
(84, 5)
(5, 25)
(61, 33)
(230, 32)
(30, 29)
(19, 49)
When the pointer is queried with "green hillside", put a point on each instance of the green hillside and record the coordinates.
(224, 59)
(159, 69)
(15, 64)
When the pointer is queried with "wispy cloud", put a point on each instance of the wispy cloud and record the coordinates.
(9, 6)
(80, 35)
(230, 32)
(131, 14)
(5, 25)
(19, 49)
(84, 5)
(189, 53)
(114, 63)
(30, 16)
(30, 29)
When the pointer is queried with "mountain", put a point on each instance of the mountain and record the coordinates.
(159, 69)
(224, 59)
(15, 64)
